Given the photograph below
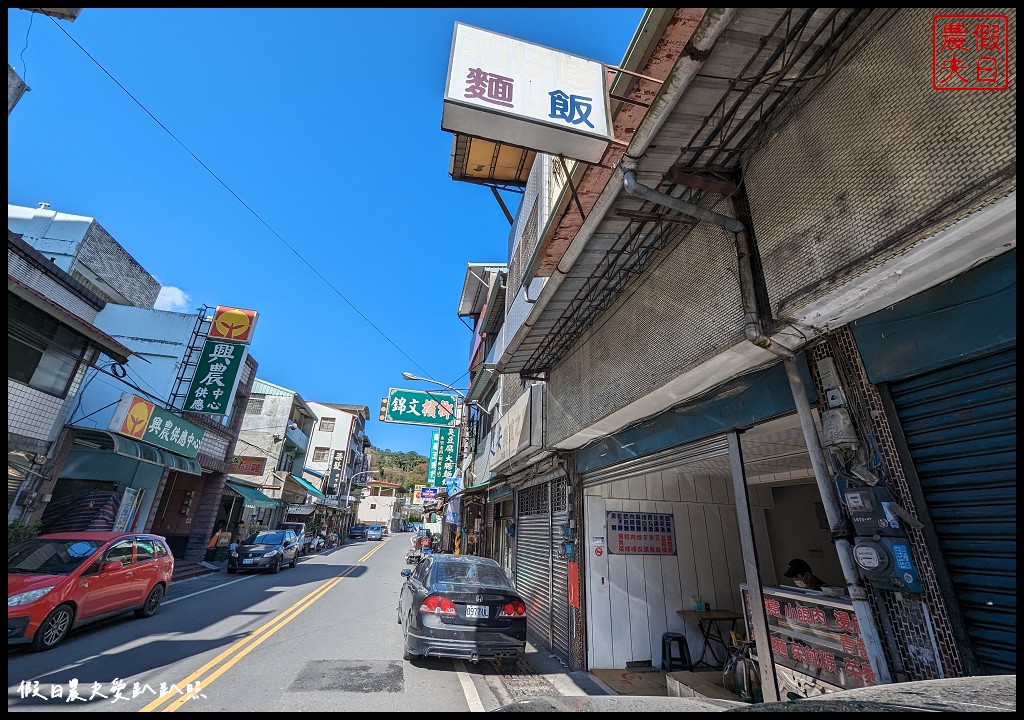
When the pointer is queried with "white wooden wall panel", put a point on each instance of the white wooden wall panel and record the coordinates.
(638, 487)
(618, 597)
(655, 487)
(639, 612)
(641, 593)
(599, 620)
(670, 485)
(703, 485)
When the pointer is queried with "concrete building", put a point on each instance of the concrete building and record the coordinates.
(151, 483)
(85, 250)
(339, 460)
(277, 426)
(382, 504)
(783, 302)
(52, 343)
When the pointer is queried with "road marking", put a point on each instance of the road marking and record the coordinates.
(215, 587)
(468, 688)
(244, 646)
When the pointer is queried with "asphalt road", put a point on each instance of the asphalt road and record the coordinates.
(321, 636)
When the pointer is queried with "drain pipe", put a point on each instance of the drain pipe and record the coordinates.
(754, 333)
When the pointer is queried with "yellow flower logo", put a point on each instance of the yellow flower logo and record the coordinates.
(233, 324)
(135, 421)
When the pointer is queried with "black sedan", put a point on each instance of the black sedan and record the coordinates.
(461, 606)
(265, 550)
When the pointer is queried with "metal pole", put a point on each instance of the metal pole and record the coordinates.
(862, 608)
(348, 487)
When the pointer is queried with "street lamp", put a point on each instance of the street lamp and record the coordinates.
(410, 376)
(348, 488)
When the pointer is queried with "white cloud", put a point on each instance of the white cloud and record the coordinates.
(172, 298)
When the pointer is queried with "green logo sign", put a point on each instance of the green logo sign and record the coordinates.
(213, 385)
(137, 418)
(420, 407)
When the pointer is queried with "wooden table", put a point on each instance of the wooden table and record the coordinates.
(709, 624)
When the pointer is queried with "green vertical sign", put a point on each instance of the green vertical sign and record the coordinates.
(217, 373)
(434, 457)
(448, 455)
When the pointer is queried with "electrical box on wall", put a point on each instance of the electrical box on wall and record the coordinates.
(886, 562)
(871, 513)
(837, 428)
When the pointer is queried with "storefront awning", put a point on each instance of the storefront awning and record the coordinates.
(120, 445)
(309, 487)
(479, 487)
(251, 496)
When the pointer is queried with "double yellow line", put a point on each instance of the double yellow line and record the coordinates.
(245, 646)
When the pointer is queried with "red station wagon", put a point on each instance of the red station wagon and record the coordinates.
(63, 580)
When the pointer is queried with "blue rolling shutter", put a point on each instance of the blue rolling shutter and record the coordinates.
(961, 429)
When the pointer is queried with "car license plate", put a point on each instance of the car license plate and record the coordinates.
(248, 561)
(476, 611)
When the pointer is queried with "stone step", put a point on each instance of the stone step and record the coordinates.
(184, 570)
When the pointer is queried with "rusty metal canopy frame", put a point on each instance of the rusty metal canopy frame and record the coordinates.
(490, 162)
(801, 46)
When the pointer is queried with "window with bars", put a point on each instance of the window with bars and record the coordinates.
(534, 500)
(327, 424)
(559, 494)
(320, 454)
(255, 406)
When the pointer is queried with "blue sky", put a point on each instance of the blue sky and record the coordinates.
(289, 161)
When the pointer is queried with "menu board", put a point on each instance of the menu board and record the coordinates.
(815, 635)
(640, 533)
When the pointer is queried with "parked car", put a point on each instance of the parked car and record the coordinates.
(461, 606)
(357, 532)
(60, 581)
(384, 529)
(265, 550)
(374, 532)
(302, 533)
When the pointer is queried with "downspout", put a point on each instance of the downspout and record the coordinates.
(754, 333)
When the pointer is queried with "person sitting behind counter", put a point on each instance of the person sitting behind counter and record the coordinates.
(802, 576)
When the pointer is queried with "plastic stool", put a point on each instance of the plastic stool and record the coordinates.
(671, 661)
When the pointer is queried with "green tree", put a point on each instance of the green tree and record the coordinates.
(407, 469)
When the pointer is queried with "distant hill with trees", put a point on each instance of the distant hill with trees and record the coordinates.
(408, 469)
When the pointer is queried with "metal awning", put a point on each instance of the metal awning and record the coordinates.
(251, 496)
(479, 487)
(481, 384)
(309, 487)
(106, 344)
(121, 445)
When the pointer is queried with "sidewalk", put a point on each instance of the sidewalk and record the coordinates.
(575, 683)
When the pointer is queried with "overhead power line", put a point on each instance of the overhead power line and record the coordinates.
(238, 198)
